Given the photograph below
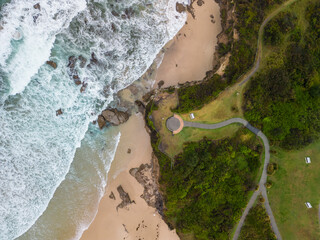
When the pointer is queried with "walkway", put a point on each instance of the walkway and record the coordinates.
(175, 124)
(256, 65)
(263, 179)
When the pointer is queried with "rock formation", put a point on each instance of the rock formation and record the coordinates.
(52, 64)
(113, 116)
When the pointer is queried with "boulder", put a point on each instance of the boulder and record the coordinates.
(58, 112)
(83, 61)
(101, 121)
(180, 7)
(83, 87)
(52, 64)
(72, 62)
(115, 117)
(37, 6)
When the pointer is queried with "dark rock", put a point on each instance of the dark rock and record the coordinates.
(180, 8)
(59, 112)
(94, 122)
(151, 193)
(115, 117)
(83, 61)
(93, 58)
(141, 106)
(129, 151)
(72, 62)
(52, 64)
(147, 96)
(83, 87)
(112, 196)
(101, 121)
(160, 84)
(113, 27)
(37, 6)
(114, 13)
(200, 3)
(124, 197)
(75, 77)
(77, 82)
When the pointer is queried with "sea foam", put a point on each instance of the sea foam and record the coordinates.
(37, 147)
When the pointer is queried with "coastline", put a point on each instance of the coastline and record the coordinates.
(138, 220)
(190, 54)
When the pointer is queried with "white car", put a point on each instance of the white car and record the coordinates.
(307, 159)
(308, 205)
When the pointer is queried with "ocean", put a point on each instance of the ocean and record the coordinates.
(53, 161)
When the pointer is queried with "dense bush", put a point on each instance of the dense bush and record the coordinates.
(257, 225)
(207, 188)
(195, 96)
(283, 23)
(284, 99)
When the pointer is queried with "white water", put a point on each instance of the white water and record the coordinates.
(36, 146)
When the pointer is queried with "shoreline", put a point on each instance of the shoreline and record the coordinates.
(138, 220)
(190, 54)
(134, 219)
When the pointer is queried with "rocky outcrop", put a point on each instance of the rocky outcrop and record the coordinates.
(124, 197)
(146, 175)
(52, 64)
(112, 116)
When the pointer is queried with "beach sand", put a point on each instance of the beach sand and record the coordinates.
(190, 54)
(137, 220)
(187, 57)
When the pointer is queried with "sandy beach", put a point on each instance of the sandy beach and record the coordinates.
(137, 220)
(187, 57)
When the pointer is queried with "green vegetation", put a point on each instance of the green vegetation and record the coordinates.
(283, 99)
(173, 144)
(195, 96)
(209, 184)
(257, 225)
(250, 15)
(293, 184)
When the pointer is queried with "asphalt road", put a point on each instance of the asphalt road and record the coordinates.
(263, 179)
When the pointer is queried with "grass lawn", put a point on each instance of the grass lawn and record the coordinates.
(293, 184)
(173, 144)
(227, 105)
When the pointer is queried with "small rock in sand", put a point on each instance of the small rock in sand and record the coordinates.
(129, 150)
(112, 196)
(160, 84)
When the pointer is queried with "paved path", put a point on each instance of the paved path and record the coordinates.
(263, 179)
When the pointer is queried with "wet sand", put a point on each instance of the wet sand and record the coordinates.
(137, 220)
(190, 54)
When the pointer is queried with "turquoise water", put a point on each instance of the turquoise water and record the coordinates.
(43, 170)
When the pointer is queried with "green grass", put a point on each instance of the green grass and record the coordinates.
(294, 184)
(173, 144)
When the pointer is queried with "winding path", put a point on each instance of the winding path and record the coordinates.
(263, 179)
(256, 65)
